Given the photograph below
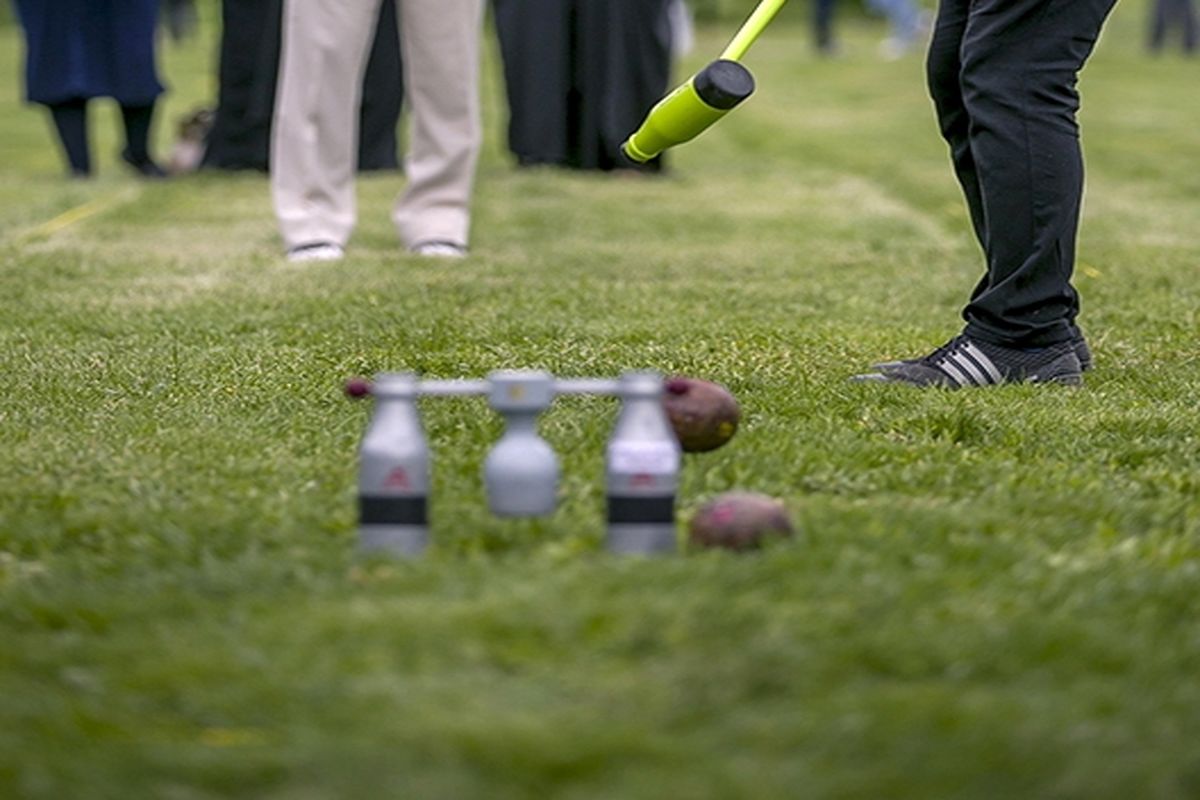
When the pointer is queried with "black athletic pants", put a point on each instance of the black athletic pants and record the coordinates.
(1002, 74)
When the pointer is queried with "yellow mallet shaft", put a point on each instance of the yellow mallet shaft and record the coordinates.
(754, 25)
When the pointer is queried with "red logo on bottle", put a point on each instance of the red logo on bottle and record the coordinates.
(397, 479)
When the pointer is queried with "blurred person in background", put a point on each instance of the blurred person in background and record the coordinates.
(823, 27)
(1169, 15)
(581, 74)
(313, 141)
(240, 135)
(79, 50)
(908, 26)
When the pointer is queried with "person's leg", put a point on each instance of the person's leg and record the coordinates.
(248, 62)
(910, 19)
(70, 120)
(536, 51)
(439, 45)
(823, 26)
(314, 132)
(1159, 17)
(1020, 63)
(382, 96)
(1191, 26)
(942, 69)
(137, 120)
(1003, 83)
(903, 17)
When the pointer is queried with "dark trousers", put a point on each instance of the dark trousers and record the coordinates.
(580, 75)
(247, 77)
(823, 25)
(1002, 74)
(1169, 14)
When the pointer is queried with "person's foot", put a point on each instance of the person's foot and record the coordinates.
(143, 165)
(316, 251)
(969, 362)
(1079, 343)
(438, 249)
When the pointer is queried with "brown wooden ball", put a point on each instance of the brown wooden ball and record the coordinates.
(739, 521)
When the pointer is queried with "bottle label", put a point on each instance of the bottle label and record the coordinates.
(642, 458)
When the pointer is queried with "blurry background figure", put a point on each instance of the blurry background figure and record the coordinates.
(1168, 15)
(823, 27)
(683, 28)
(180, 18)
(323, 60)
(908, 26)
(581, 75)
(77, 50)
(240, 137)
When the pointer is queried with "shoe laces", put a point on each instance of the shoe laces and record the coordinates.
(945, 350)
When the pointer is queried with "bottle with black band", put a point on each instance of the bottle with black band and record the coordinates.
(642, 463)
(394, 467)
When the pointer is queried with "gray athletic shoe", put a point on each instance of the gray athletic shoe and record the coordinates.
(968, 362)
(1082, 352)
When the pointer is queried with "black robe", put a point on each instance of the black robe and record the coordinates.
(250, 45)
(581, 75)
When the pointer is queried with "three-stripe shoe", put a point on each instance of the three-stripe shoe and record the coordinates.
(1082, 352)
(969, 362)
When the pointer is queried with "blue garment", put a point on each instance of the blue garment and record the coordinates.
(904, 17)
(79, 49)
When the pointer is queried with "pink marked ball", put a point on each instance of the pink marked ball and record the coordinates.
(739, 521)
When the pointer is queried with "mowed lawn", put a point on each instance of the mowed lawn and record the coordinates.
(992, 593)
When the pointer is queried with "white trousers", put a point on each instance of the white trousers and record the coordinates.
(313, 148)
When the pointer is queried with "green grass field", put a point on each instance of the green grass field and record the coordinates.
(995, 593)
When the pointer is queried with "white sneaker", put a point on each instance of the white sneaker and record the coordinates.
(438, 249)
(316, 251)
